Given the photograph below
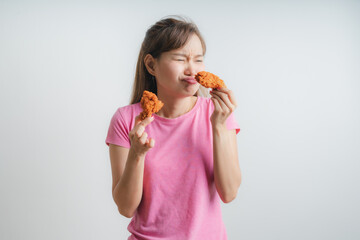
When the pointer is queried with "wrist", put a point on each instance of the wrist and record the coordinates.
(219, 127)
(135, 155)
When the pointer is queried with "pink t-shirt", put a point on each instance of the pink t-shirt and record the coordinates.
(180, 200)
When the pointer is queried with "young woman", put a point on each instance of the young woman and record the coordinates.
(170, 178)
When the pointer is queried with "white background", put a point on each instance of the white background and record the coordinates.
(66, 66)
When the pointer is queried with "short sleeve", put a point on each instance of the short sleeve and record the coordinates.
(118, 132)
(232, 124)
(230, 121)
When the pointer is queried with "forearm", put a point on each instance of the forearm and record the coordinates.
(227, 173)
(128, 192)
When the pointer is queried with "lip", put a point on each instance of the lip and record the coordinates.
(190, 80)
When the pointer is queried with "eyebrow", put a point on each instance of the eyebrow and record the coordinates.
(184, 55)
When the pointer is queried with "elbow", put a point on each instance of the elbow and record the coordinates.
(125, 214)
(232, 193)
(228, 196)
(122, 212)
(228, 199)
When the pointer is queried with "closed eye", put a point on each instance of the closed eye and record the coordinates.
(184, 60)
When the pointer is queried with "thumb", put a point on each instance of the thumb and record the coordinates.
(137, 120)
(147, 121)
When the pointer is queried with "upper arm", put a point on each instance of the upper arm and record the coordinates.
(118, 158)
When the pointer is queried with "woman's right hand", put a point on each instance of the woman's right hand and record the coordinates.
(140, 144)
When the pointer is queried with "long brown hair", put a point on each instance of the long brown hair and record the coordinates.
(165, 35)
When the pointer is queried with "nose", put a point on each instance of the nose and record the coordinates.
(190, 69)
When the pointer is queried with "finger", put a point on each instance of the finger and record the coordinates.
(223, 106)
(229, 93)
(143, 138)
(223, 89)
(147, 121)
(151, 143)
(225, 99)
(216, 103)
(140, 130)
(137, 120)
(223, 96)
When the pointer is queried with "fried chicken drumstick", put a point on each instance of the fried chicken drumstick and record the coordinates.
(150, 104)
(209, 80)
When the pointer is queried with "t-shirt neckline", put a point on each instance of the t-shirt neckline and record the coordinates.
(177, 119)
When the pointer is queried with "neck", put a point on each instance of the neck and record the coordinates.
(175, 107)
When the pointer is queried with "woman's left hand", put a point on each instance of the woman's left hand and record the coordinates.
(224, 103)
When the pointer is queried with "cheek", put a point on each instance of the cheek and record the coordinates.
(201, 67)
(173, 69)
(170, 73)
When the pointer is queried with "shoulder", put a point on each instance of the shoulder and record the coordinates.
(203, 100)
(206, 103)
(129, 112)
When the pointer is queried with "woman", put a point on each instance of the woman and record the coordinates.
(170, 178)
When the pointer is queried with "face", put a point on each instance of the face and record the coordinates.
(174, 66)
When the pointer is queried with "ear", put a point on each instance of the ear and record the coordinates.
(150, 63)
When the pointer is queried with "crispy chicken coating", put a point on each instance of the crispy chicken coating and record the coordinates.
(209, 80)
(150, 104)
